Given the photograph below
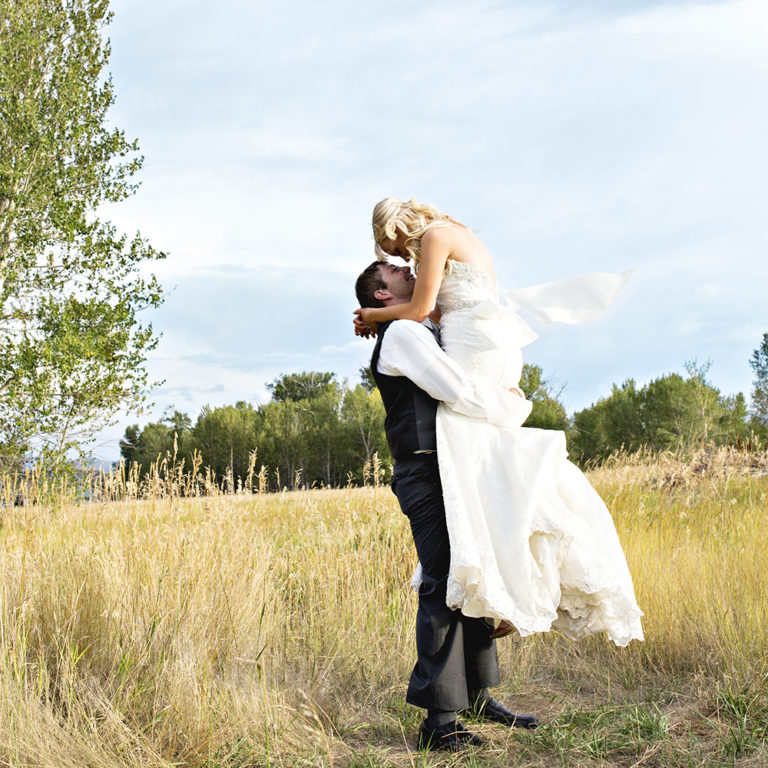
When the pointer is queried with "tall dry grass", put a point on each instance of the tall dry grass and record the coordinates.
(276, 629)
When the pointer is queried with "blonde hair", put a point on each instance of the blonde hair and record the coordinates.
(412, 218)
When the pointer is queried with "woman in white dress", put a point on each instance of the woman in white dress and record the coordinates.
(532, 543)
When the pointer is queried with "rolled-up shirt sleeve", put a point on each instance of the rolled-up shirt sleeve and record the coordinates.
(409, 349)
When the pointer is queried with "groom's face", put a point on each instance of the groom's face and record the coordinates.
(399, 281)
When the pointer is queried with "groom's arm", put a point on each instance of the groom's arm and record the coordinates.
(409, 349)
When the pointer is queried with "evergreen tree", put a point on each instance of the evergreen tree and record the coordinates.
(611, 424)
(759, 364)
(548, 412)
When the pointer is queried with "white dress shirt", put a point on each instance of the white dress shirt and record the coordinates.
(409, 349)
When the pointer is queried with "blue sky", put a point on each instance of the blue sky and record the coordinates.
(573, 136)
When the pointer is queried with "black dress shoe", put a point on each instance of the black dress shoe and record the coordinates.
(490, 709)
(452, 737)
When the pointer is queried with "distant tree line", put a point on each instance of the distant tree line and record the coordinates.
(314, 430)
(671, 412)
(317, 430)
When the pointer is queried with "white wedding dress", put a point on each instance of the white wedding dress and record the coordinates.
(531, 540)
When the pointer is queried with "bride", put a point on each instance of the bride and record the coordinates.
(532, 543)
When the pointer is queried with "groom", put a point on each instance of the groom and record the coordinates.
(456, 657)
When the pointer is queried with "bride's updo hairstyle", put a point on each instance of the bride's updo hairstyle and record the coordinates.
(412, 218)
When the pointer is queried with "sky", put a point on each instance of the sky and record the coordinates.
(572, 136)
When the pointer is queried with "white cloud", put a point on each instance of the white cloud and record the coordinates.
(574, 137)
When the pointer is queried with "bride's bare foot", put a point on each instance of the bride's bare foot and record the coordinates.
(503, 628)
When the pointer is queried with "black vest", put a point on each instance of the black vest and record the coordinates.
(410, 422)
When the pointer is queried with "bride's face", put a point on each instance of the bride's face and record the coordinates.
(396, 247)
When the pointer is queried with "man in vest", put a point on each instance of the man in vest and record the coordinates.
(456, 655)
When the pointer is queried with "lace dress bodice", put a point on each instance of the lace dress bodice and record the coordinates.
(464, 287)
(475, 330)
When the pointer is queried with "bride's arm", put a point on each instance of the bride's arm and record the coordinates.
(435, 249)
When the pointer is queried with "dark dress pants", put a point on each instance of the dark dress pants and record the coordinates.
(455, 654)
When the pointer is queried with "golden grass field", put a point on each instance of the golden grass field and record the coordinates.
(277, 630)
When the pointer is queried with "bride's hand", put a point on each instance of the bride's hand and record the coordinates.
(363, 325)
(516, 391)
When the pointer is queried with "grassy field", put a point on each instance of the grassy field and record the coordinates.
(277, 630)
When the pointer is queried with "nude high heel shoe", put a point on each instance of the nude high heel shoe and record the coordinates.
(503, 628)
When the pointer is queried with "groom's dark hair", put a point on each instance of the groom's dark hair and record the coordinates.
(368, 283)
